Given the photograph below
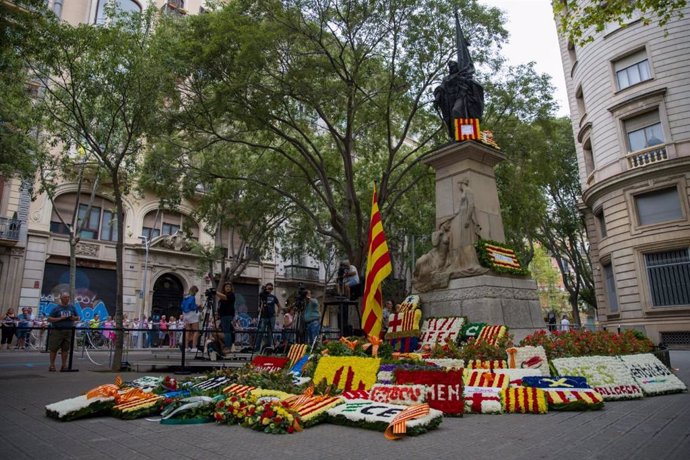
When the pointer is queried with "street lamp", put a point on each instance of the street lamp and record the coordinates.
(142, 305)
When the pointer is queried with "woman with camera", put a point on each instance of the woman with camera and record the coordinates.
(226, 312)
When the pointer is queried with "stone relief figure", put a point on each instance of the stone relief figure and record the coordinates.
(176, 242)
(434, 261)
(464, 234)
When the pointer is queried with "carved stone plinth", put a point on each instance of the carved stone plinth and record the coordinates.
(489, 298)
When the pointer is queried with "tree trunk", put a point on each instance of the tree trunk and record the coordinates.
(119, 272)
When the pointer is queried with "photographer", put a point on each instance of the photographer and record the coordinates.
(268, 303)
(312, 317)
(226, 312)
(350, 278)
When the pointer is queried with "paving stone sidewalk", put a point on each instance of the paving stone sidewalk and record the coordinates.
(656, 427)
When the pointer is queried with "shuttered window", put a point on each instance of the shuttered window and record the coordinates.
(658, 206)
(610, 282)
(669, 277)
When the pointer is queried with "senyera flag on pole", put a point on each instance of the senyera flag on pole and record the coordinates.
(378, 268)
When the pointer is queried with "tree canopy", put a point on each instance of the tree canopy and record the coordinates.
(325, 97)
(577, 19)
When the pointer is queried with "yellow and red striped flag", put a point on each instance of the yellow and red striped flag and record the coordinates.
(378, 268)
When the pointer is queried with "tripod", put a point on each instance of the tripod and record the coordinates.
(209, 316)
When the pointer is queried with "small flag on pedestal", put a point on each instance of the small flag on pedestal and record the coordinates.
(466, 129)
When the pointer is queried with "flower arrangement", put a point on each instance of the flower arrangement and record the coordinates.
(405, 395)
(447, 349)
(563, 344)
(347, 372)
(443, 387)
(651, 375)
(482, 400)
(362, 413)
(79, 407)
(515, 376)
(524, 400)
(499, 257)
(471, 331)
(248, 376)
(492, 334)
(608, 375)
(441, 330)
(483, 378)
(574, 400)
(138, 408)
(312, 409)
(269, 417)
(192, 410)
(528, 357)
(277, 395)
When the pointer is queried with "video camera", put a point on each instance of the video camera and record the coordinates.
(210, 292)
(301, 297)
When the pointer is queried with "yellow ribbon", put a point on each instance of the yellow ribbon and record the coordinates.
(558, 383)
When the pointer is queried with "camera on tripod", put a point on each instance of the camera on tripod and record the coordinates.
(210, 292)
(301, 297)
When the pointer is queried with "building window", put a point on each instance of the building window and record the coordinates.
(658, 206)
(159, 222)
(644, 131)
(121, 6)
(588, 156)
(100, 223)
(632, 69)
(580, 99)
(601, 220)
(610, 283)
(669, 277)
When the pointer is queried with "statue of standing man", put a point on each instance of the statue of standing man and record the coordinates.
(459, 95)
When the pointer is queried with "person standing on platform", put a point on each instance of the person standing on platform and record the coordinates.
(388, 310)
(312, 318)
(190, 310)
(226, 312)
(350, 278)
(61, 320)
(268, 303)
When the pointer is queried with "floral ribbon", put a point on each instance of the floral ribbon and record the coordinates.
(512, 351)
(351, 344)
(106, 391)
(398, 426)
(374, 343)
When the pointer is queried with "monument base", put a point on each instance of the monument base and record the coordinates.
(489, 298)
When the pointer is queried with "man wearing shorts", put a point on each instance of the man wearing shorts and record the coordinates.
(61, 320)
(190, 312)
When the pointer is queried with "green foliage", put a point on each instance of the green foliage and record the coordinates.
(485, 351)
(323, 99)
(580, 20)
(547, 278)
(247, 375)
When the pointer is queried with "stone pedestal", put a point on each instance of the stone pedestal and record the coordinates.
(490, 298)
(474, 161)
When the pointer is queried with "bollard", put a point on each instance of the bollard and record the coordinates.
(71, 351)
(183, 368)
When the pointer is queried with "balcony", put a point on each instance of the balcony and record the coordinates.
(301, 273)
(645, 157)
(9, 230)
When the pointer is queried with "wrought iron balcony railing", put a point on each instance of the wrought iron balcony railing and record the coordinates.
(9, 229)
(300, 272)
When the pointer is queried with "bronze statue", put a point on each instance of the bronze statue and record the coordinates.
(459, 95)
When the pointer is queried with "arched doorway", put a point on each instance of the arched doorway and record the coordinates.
(167, 296)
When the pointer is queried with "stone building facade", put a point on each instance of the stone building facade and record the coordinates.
(629, 100)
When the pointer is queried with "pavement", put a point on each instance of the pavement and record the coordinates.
(655, 427)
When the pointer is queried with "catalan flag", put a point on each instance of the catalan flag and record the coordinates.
(378, 268)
